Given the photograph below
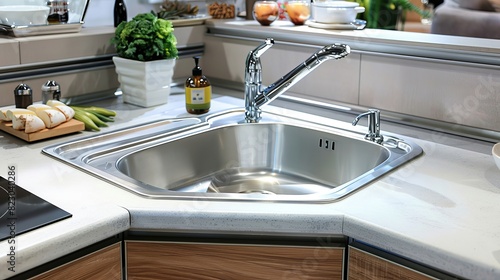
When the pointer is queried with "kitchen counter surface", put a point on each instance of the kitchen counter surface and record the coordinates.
(441, 209)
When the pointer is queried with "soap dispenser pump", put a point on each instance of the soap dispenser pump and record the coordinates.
(198, 91)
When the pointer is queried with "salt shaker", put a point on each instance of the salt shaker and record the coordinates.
(23, 96)
(51, 90)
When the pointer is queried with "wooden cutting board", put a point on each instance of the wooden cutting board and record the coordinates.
(64, 128)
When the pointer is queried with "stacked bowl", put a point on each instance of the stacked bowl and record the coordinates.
(23, 15)
(337, 12)
(23, 12)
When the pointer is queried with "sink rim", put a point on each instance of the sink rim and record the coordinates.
(217, 120)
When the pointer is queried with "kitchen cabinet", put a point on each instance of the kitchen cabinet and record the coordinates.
(180, 260)
(225, 60)
(10, 53)
(365, 266)
(79, 62)
(402, 77)
(417, 88)
(102, 264)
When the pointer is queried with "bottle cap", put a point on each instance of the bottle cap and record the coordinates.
(50, 90)
(197, 69)
(23, 96)
(50, 86)
(23, 89)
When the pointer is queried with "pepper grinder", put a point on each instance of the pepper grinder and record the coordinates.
(23, 96)
(51, 90)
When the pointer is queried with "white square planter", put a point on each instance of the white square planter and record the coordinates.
(144, 84)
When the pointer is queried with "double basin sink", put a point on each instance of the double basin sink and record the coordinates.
(282, 158)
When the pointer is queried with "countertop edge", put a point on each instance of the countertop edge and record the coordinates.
(265, 223)
(86, 227)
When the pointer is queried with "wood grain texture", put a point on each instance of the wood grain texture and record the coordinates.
(365, 266)
(103, 264)
(70, 126)
(165, 260)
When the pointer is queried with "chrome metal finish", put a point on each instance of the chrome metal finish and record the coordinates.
(373, 125)
(255, 97)
(253, 80)
(284, 158)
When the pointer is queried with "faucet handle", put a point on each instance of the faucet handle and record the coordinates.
(373, 125)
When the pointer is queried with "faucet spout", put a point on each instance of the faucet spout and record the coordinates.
(253, 79)
(255, 97)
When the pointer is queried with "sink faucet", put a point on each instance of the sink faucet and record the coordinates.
(256, 97)
(373, 125)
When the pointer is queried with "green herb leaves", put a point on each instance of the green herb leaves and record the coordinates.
(145, 38)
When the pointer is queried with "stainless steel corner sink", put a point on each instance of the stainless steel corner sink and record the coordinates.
(282, 158)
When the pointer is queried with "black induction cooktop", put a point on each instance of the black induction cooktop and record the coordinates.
(22, 211)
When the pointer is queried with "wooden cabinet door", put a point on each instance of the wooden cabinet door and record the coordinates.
(166, 260)
(365, 266)
(103, 264)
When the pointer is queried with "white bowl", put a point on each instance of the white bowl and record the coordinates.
(23, 2)
(496, 154)
(22, 15)
(335, 2)
(335, 11)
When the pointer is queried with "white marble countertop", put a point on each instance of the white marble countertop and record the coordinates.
(440, 209)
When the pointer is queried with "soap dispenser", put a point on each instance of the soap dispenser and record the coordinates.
(198, 91)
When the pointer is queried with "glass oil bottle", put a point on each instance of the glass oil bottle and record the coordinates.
(198, 91)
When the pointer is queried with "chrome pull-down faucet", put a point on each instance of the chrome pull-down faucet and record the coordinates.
(256, 97)
(373, 125)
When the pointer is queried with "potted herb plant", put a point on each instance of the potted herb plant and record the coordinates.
(146, 53)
